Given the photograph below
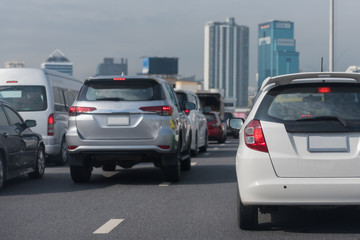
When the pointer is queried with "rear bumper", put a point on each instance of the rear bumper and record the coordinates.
(293, 192)
(259, 185)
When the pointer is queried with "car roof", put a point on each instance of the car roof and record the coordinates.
(184, 91)
(95, 78)
(311, 77)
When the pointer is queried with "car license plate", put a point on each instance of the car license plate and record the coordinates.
(122, 120)
(328, 143)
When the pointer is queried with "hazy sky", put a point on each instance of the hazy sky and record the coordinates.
(86, 31)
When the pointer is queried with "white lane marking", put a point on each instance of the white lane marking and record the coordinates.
(193, 163)
(206, 154)
(164, 184)
(107, 227)
(110, 174)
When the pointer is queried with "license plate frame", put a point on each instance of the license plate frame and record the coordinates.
(118, 120)
(328, 143)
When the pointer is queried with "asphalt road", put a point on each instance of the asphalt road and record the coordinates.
(137, 204)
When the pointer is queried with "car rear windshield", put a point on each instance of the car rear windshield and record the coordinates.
(303, 103)
(25, 98)
(210, 117)
(129, 90)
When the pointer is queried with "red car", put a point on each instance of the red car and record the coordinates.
(216, 129)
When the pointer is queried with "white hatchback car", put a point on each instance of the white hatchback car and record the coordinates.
(300, 145)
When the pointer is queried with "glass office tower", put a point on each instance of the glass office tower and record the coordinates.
(276, 50)
(226, 61)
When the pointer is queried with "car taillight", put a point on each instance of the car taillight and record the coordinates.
(254, 136)
(187, 112)
(74, 111)
(50, 125)
(161, 110)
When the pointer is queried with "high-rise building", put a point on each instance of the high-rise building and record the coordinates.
(111, 67)
(226, 61)
(58, 62)
(276, 50)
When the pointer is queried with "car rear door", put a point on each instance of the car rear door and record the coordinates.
(313, 131)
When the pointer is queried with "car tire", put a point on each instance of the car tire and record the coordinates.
(2, 173)
(80, 174)
(62, 158)
(204, 148)
(186, 163)
(172, 173)
(194, 152)
(39, 164)
(247, 216)
(109, 167)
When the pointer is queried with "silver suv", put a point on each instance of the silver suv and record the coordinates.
(124, 121)
(199, 131)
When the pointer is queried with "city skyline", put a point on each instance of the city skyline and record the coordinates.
(89, 31)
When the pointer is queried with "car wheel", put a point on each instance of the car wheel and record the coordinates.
(2, 173)
(204, 148)
(62, 158)
(172, 173)
(186, 163)
(80, 174)
(109, 167)
(247, 216)
(195, 151)
(39, 165)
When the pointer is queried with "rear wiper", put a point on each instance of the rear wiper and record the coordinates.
(110, 99)
(322, 118)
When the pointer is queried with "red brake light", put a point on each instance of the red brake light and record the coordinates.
(72, 147)
(51, 124)
(254, 136)
(187, 111)
(74, 111)
(324, 89)
(11, 81)
(162, 110)
(119, 79)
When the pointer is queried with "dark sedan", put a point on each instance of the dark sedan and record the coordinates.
(21, 150)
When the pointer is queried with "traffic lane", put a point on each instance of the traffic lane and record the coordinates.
(185, 210)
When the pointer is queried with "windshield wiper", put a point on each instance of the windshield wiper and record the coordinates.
(110, 99)
(322, 118)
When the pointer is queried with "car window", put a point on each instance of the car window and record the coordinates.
(25, 98)
(3, 119)
(121, 90)
(14, 118)
(182, 97)
(173, 97)
(294, 102)
(210, 117)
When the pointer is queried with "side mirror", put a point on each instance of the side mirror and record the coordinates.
(30, 123)
(189, 106)
(207, 109)
(236, 123)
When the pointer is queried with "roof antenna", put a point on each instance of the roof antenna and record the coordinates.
(322, 64)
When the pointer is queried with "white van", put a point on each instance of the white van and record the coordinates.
(45, 96)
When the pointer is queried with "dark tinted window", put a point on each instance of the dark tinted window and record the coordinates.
(297, 102)
(25, 98)
(334, 107)
(3, 119)
(210, 117)
(130, 90)
(14, 118)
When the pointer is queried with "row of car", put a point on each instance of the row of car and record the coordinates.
(113, 121)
